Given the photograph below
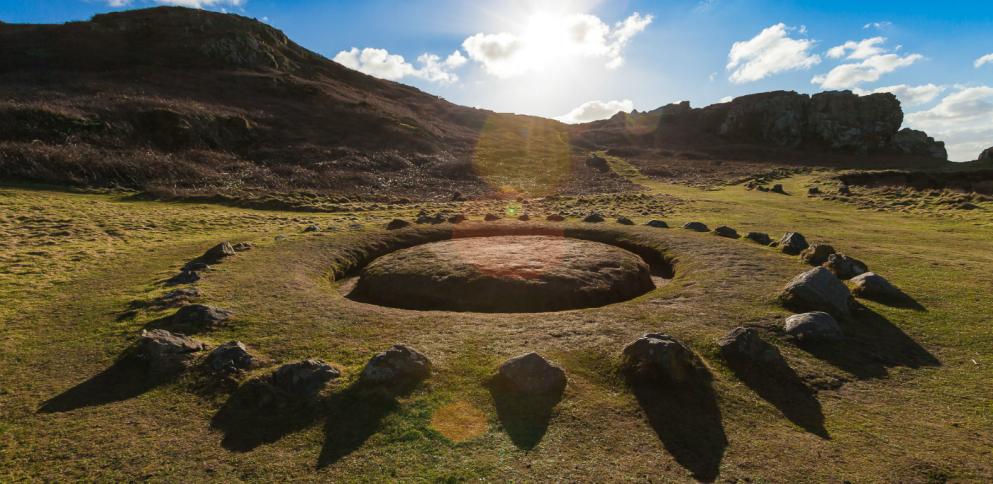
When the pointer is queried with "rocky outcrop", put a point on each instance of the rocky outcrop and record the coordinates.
(986, 155)
(917, 142)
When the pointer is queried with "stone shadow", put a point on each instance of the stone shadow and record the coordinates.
(257, 413)
(871, 346)
(524, 417)
(353, 415)
(687, 420)
(127, 378)
(779, 385)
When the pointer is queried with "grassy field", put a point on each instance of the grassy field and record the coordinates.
(907, 397)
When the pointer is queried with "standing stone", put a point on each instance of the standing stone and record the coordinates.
(397, 224)
(397, 366)
(164, 352)
(200, 316)
(845, 267)
(593, 218)
(657, 355)
(813, 327)
(657, 224)
(875, 287)
(624, 220)
(725, 231)
(532, 374)
(816, 254)
(304, 378)
(230, 357)
(696, 227)
(744, 345)
(793, 243)
(218, 252)
(759, 237)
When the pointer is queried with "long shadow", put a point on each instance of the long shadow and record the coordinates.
(125, 379)
(687, 420)
(779, 385)
(873, 344)
(353, 415)
(256, 414)
(899, 300)
(524, 417)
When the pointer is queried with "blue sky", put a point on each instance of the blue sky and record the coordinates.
(583, 59)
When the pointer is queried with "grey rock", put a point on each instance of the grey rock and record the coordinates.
(745, 345)
(658, 356)
(725, 231)
(818, 290)
(230, 357)
(657, 224)
(396, 224)
(624, 220)
(875, 287)
(759, 237)
(593, 218)
(696, 227)
(184, 277)
(812, 327)
(304, 378)
(816, 254)
(430, 219)
(793, 243)
(164, 352)
(917, 142)
(532, 374)
(397, 366)
(986, 155)
(200, 316)
(218, 252)
(845, 267)
(242, 246)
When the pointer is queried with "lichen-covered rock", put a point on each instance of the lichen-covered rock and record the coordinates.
(841, 120)
(531, 374)
(398, 366)
(816, 254)
(658, 356)
(818, 290)
(164, 352)
(872, 286)
(230, 357)
(793, 243)
(199, 317)
(813, 327)
(772, 117)
(917, 142)
(305, 378)
(845, 267)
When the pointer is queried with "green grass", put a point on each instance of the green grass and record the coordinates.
(71, 263)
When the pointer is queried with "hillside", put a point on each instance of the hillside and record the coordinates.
(178, 101)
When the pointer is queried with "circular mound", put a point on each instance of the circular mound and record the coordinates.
(504, 274)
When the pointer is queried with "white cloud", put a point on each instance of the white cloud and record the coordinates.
(986, 59)
(908, 95)
(770, 52)
(727, 99)
(859, 50)
(551, 39)
(594, 110)
(380, 63)
(881, 25)
(963, 120)
(847, 76)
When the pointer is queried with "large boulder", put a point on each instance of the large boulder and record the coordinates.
(845, 267)
(816, 254)
(818, 290)
(658, 224)
(164, 352)
(986, 155)
(759, 237)
(531, 374)
(875, 287)
(218, 252)
(304, 378)
(696, 226)
(793, 243)
(812, 327)
(917, 142)
(396, 367)
(744, 345)
(725, 231)
(658, 356)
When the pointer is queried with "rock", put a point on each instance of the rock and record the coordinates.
(396, 367)
(164, 352)
(624, 220)
(986, 155)
(312, 228)
(430, 219)
(875, 287)
(772, 117)
(597, 163)
(195, 265)
(532, 374)
(917, 142)
(816, 254)
(658, 356)
(242, 246)
(490, 217)
(218, 252)
(759, 237)
(524, 217)
(230, 357)
(456, 219)
(504, 274)
(657, 224)
(813, 327)
(813, 191)
(725, 231)
(397, 224)
(304, 378)
(184, 277)
(818, 290)
(778, 188)
(841, 120)
(593, 218)
(845, 267)
(696, 227)
(793, 243)
(746, 346)
(199, 317)
(555, 218)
